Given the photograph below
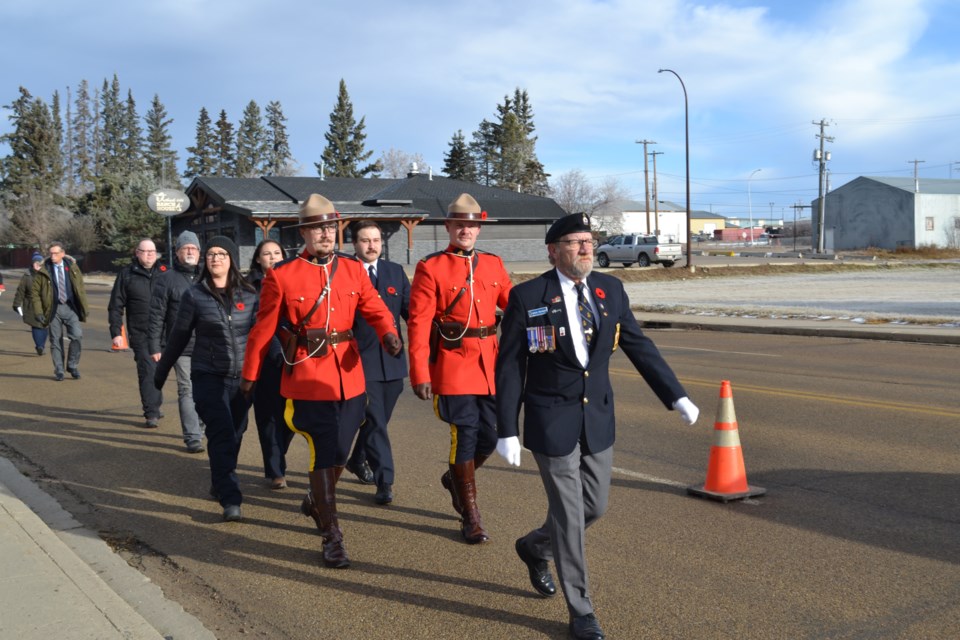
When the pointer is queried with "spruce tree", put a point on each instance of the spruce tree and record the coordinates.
(58, 161)
(160, 158)
(456, 162)
(484, 153)
(33, 165)
(279, 159)
(202, 159)
(131, 139)
(112, 119)
(345, 151)
(251, 143)
(83, 150)
(223, 145)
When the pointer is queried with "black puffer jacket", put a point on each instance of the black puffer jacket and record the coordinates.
(167, 291)
(132, 292)
(220, 333)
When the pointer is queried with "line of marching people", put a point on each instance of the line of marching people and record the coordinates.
(313, 343)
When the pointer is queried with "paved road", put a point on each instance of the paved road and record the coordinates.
(856, 442)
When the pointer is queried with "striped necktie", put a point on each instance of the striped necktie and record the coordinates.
(373, 276)
(587, 321)
(61, 285)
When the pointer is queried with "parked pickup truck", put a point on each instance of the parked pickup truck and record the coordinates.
(644, 250)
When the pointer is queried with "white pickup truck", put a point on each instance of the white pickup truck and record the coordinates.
(644, 250)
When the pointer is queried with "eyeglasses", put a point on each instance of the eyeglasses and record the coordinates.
(579, 244)
(217, 255)
(146, 250)
(325, 229)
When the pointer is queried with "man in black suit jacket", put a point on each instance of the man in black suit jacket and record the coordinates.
(558, 333)
(384, 373)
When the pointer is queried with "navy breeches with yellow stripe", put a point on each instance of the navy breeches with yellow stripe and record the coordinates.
(473, 425)
(329, 427)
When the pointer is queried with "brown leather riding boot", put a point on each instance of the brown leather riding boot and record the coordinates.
(447, 481)
(321, 504)
(471, 527)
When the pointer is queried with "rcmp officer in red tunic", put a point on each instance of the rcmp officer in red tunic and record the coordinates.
(453, 348)
(314, 298)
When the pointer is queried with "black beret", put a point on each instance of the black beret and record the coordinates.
(573, 223)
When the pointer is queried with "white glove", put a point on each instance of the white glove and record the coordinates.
(20, 311)
(509, 449)
(688, 411)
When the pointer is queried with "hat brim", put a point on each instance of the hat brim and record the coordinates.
(320, 222)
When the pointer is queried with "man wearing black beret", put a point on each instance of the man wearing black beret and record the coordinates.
(558, 333)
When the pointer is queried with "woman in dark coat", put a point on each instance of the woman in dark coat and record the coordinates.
(23, 299)
(219, 311)
(268, 404)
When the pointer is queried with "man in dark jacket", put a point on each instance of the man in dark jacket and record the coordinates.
(559, 332)
(60, 304)
(384, 373)
(131, 293)
(164, 303)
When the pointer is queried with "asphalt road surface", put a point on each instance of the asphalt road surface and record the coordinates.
(855, 441)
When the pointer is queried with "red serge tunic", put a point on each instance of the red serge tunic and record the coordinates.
(288, 292)
(468, 369)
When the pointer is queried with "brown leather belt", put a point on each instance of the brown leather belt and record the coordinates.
(337, 337)
(480, 332)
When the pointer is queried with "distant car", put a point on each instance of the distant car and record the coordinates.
(644, 250)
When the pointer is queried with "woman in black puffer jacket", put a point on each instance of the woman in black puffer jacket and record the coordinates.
(219, 311)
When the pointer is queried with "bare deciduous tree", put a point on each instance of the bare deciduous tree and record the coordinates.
(396, 164)
(574, 193)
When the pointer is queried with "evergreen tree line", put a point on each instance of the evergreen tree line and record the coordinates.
(81, 169)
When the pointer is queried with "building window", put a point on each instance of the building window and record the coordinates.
(929, 223)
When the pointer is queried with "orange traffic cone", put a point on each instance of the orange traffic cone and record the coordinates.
(124, 345)
(726, 474)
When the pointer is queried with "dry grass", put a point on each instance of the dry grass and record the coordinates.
(926, 252)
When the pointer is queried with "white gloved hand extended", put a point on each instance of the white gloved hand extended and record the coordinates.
(509, 449)
(688, 411)
(20, 311)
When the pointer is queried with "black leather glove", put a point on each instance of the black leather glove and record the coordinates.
(423, 390)
(392, 344)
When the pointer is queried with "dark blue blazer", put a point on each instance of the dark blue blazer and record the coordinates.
(562, 401)
(394, 288)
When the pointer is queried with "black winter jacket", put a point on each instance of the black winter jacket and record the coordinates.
(167, 291)
(220, 333)
(132, 292)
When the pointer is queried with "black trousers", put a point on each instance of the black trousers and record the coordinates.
(268, 407)
(223, 410)
(373, 442)
(150, 397)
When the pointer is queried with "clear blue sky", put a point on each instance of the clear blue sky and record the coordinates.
(884, 73)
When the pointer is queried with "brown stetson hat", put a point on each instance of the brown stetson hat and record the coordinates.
(316, 210)
(466, 208)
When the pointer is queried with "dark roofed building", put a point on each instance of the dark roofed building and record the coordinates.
(249, 209)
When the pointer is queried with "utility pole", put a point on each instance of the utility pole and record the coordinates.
(916, 178)
(951, 169)
(646, 181)
(656, 193)
(822, 156)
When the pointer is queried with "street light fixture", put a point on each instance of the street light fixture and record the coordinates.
(750, 205)
(686, 131)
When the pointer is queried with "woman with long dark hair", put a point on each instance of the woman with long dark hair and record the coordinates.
(219, 310)
(268, 404)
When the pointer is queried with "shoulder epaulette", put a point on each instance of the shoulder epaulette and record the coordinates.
(347, 256)
(432, 255)
(286, 261)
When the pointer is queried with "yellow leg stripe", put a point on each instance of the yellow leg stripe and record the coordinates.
(288, 418)
(453, 443)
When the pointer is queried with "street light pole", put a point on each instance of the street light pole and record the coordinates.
(686, 132)
(750, 205)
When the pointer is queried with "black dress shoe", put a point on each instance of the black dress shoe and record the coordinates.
(58, 377)
(586, 628)
(75, 373)
(384, 494)
(539, 570)
(39, 351)
(363, 472)
(232, 513)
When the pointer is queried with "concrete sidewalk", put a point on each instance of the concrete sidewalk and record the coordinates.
(60, 580)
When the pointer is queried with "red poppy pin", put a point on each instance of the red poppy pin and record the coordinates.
(599, 293)
(391, 291)
(240, 306)
(483, 215)
(163, 267)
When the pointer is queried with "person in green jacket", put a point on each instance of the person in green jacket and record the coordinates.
(23, 299)
(60, 304)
